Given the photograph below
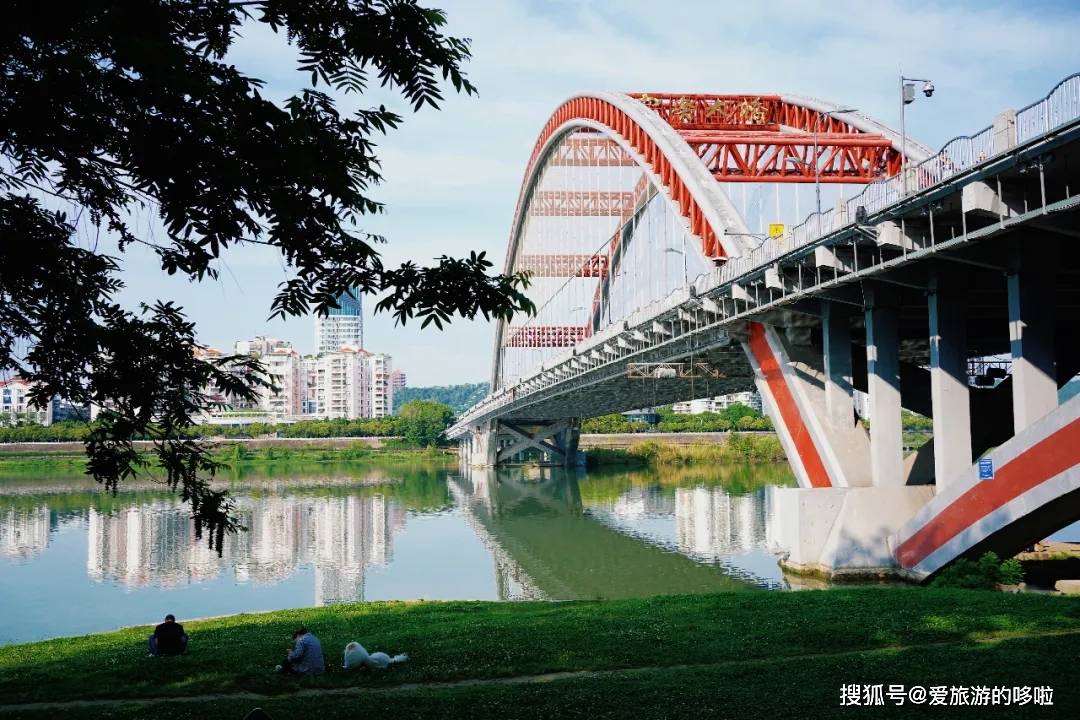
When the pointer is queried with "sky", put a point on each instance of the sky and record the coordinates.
(451, 177)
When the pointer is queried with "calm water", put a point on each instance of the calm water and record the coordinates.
(74, 560)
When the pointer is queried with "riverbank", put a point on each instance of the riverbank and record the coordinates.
(729, 654)
(727, 448)
(257, 453)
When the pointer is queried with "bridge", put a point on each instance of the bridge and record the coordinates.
(942, 283)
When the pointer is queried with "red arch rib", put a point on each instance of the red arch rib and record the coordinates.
(603, 112)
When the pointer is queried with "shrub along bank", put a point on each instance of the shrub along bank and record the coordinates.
(239, 455)
(735, 448)
(422, 421)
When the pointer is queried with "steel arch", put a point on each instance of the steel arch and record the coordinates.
(668, 145)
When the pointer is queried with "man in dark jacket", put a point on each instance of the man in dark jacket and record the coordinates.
(168, 638)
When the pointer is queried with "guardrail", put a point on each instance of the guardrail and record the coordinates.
(1059, 107)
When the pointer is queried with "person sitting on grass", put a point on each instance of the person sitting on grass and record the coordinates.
(169, 638)
(306, 658)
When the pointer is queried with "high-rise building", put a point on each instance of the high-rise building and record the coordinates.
(283, 365)
(342, 381)
(382, 390)
(397, 380)
(344, 325)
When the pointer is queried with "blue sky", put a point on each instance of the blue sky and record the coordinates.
(452, 176)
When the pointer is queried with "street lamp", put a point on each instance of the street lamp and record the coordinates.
(817, 164)
(907, 96)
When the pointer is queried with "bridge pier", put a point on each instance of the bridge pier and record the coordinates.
(844, 532)
(836, 342)
(883, 384)
(949, 393)
(1031, 335)
(527, 441)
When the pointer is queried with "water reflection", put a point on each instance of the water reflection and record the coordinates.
(339, 537)
(620, 534)
(379, 533)
(24, 532)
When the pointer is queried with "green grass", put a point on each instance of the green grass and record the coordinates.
(735, 449)
(730, 654)
(237, 455)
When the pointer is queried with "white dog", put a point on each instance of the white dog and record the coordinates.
(357, 657)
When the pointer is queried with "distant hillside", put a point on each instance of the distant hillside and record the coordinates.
(458, 397)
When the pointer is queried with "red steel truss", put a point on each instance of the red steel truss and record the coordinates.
(563, 266)
(596, 151)
(739, 138)
(573, 203)
(734, 113)
(547, 335)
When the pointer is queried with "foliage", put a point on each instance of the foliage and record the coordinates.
(74, 430)
(614, 423)
(894, 633)
(737, 417)
(123, 110)
(459, 397)
(424, 422)
(981, 574)
(914, 422)
(232, 456)
(735, 448)
(68, 430)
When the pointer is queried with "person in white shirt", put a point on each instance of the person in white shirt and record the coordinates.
(356, 657)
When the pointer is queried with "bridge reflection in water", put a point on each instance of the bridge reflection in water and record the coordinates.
(560, 535)
(479, 534)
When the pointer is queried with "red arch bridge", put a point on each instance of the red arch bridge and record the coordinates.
(945, 283)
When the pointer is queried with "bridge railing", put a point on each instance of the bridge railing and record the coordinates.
(1061, 105)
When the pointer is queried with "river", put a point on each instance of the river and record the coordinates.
(75, 560)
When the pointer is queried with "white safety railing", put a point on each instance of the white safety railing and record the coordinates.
(1060, 106)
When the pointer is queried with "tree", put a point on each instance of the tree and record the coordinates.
(424, 422)
(459, 397)
(110, 109)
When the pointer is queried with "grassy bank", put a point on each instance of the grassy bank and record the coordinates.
(237, 455)
(736, 448)
(731, 655)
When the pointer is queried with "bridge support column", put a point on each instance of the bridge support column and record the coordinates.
(556, 440)
(1031, 336)
(883, 385)
(948, 377)
(791, 378)
(480, 447)
(836, 340)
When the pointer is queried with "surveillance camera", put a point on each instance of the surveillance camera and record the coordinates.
(928, 88)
